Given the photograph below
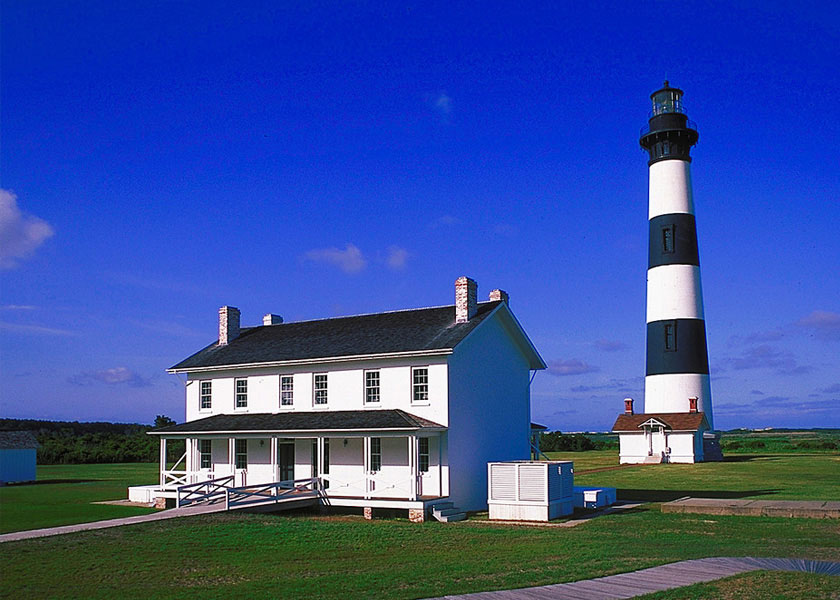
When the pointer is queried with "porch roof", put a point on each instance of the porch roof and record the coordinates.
(296, 422)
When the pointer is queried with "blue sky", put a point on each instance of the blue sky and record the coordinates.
(161, 159)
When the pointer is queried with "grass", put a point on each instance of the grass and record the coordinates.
(302, 555)
(283, 556)
(766, 476)
(758, 585)
(63, 495)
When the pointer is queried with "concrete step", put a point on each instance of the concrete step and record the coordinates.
(442, 505)
(446, 512)
(458, 516)
(653, 460)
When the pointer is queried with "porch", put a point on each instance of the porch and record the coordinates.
(382, 466)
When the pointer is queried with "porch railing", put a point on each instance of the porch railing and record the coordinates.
(174, 476)
(373, 486)
(204, 491)
(273, 492)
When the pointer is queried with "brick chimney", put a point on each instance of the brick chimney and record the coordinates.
(228, 324)
(628, 406)
(499, 295)
(271, 319)
(692, 405)
(465, 299)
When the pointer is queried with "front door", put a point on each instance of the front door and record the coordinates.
(286, 461)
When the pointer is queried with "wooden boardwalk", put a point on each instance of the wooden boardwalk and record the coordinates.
(655, 579)
(803, 509)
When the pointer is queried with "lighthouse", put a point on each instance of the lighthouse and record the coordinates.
(677, 366)
(677, 424)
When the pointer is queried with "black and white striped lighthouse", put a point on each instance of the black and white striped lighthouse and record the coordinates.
(677, 358)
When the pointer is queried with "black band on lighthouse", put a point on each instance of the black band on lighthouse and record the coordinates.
(673, 240)
(677, 346)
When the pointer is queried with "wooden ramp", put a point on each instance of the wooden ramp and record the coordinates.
(655, 579)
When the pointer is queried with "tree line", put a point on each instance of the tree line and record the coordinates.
(556, 441)
(74, 442)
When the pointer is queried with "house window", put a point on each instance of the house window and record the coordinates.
(241, 454)
(204, 453)
(241, 393)
(375, 454)
(423, 452)
(206, 395)
(372, 386)
(420, 384)
(287, 390)
(670, 332)
(321, 388)
(668, 234)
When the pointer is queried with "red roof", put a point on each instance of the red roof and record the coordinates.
(686, 421)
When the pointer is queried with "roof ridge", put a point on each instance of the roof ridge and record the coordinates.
(370, 314)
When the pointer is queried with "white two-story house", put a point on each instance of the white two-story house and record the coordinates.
(394, 410)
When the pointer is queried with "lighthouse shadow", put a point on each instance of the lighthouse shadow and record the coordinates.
(641, 495)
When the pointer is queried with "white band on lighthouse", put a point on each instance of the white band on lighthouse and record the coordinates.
(674, 292)
(670, 188)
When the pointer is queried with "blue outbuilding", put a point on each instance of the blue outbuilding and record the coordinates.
(17, 456)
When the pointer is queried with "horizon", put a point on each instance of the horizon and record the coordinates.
(324, 161)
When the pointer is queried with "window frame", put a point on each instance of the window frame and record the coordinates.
(373, 392)
(669, 333)
(318, 391)
(208, 395)
(423, 454)
(375, 458)
(415, 386)
(239, 453)
(237, 394)
(205, 457)
(290, 391)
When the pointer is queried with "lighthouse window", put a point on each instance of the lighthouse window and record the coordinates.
(670, 337)
(668, 239)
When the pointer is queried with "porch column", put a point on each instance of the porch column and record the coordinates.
(272, 447)
(412, 465)
(231, 453)
(162, 460)
(366, 463)
(320, 466)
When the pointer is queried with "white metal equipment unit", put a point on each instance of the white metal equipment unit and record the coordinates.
(530, 490)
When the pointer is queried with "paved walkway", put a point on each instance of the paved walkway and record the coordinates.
(655, 579)
(808, 509)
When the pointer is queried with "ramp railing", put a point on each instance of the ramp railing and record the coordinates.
(203, 491)
(275, 492)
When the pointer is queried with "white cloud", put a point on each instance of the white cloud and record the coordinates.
(115, 376)
(18, 307)
(397, 257)
(572, 366)
(824, 324)
(350, 260)
(20, 233)
(36, 329)
(443, 103)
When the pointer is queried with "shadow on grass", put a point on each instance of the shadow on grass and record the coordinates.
(670, 495)
(747, 458)
(48, 481)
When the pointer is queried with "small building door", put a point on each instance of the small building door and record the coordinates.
(285, 461)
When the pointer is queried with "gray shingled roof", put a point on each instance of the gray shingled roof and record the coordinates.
(336, 420)
(17, 440)
(382, 333)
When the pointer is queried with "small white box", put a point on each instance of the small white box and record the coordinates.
(592, 497)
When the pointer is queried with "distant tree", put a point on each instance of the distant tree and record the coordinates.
(163, 421)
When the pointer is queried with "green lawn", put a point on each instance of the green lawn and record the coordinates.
(261, 556)
(63, 495)
(767, 476)
(757, 585)
(241, 555)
